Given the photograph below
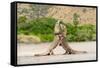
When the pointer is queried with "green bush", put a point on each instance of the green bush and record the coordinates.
(44, 29)
(46, 37)
(85, 32)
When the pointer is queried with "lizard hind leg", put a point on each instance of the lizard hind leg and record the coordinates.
(74, 52)
(51, 53)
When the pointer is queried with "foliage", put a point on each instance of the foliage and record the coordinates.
(86, 32)
(44, 28)
(75, 19)
(22, 19)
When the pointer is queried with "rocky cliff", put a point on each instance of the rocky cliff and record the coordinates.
(65, 13)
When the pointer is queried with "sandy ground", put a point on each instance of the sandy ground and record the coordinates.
(26, 53)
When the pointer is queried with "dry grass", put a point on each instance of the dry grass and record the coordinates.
(28, 39)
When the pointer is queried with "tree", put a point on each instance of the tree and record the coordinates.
(75, 23)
